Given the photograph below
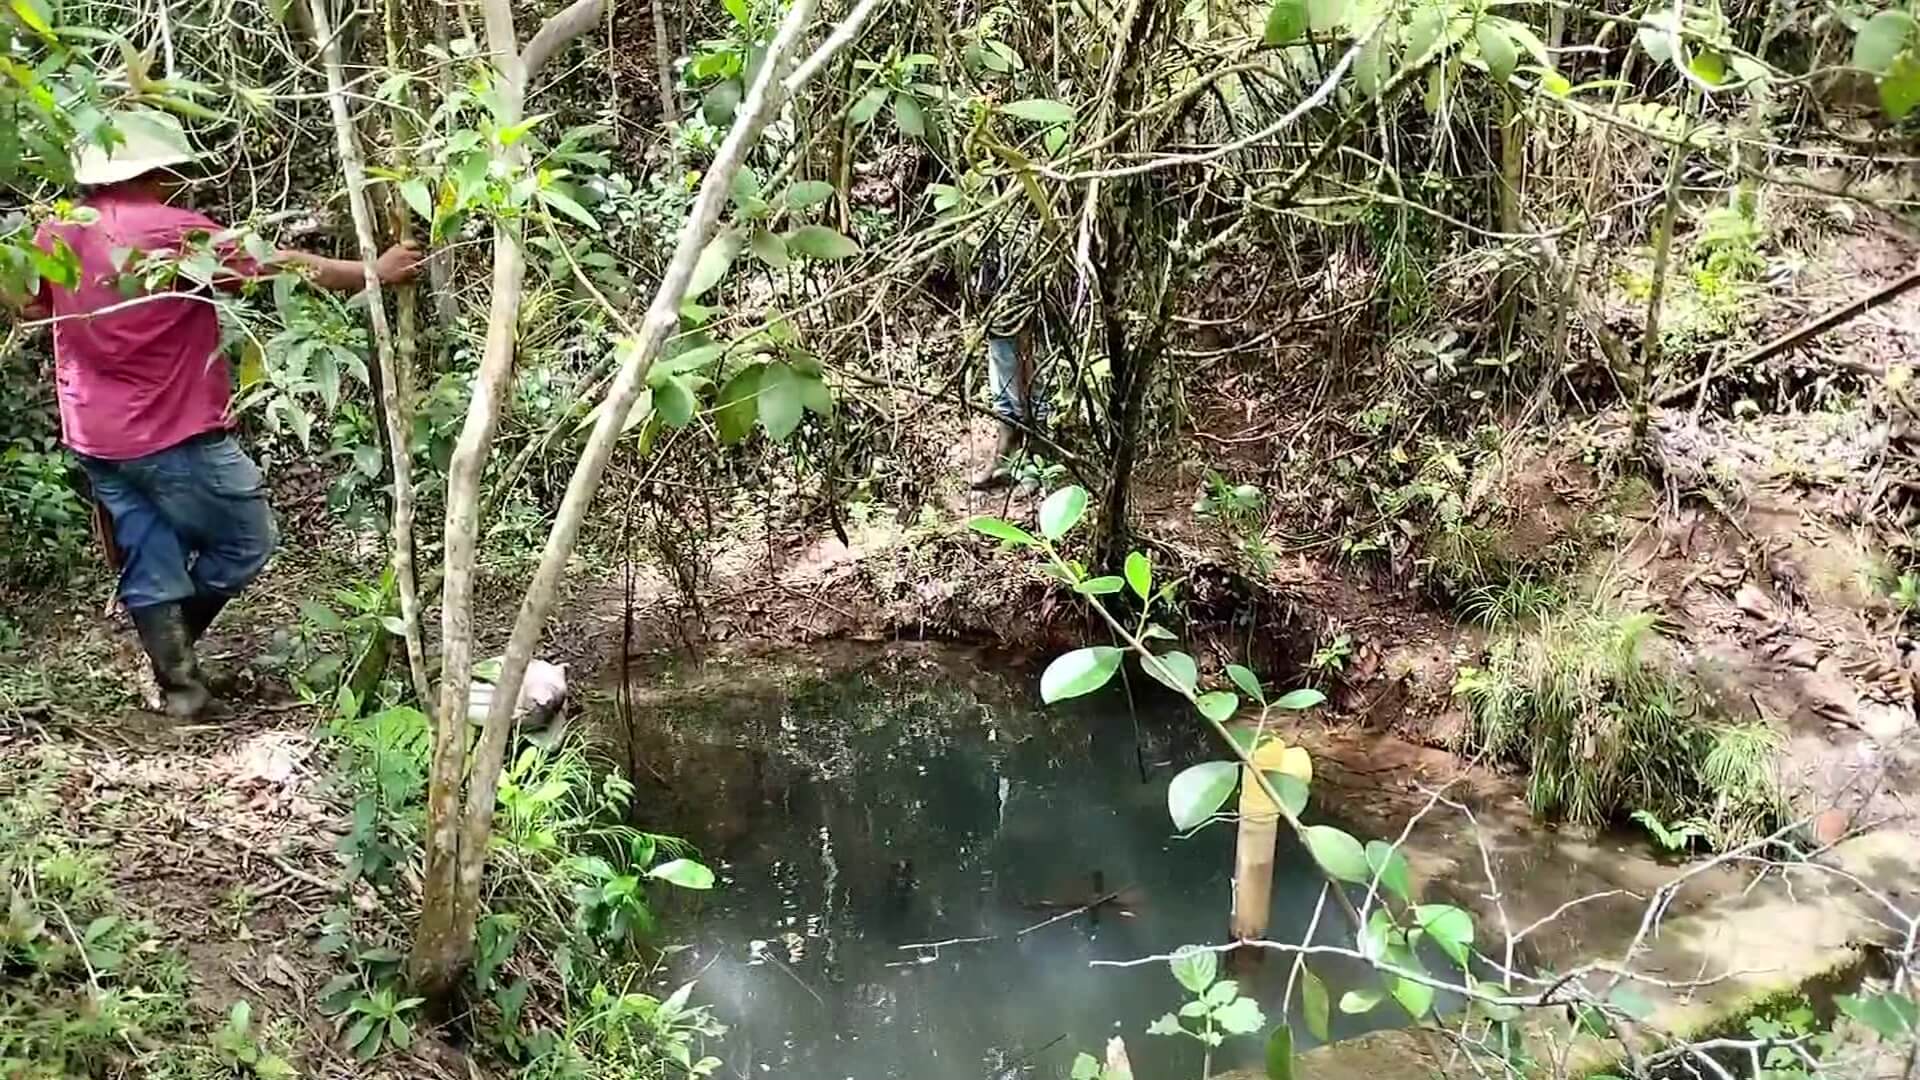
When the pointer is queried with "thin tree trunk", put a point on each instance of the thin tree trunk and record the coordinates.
(392, 411)
(1662, 248)
(441, 945)
(663, 66)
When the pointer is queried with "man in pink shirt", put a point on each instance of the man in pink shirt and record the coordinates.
(145, 395)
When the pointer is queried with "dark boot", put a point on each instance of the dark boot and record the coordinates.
(200, 610)
(164, 634)
(996, 473)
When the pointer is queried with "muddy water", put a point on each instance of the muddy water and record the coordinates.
(873, 815)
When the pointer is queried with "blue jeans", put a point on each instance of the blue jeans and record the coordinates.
(190, 519)
(1013, 397)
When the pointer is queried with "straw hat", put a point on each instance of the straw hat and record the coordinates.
(151, 140)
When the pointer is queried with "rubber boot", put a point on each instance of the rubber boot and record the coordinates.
(996, 473)
(169, 644)
(200, 610)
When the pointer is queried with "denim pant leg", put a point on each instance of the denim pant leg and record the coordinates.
(213, 498)
(1003, 378)
(153, 567)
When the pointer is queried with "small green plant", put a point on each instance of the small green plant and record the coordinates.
(237, 1046)
(1675, 838)
(329, 641)
(1509, 603)
(1332, 657)
(1240, 510)
(375, 1021)
(1216, 1009)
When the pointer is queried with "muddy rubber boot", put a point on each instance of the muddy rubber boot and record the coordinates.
(996, 473)
(200, 610)
(169, 644)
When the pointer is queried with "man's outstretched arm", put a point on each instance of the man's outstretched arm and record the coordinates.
(395, 266)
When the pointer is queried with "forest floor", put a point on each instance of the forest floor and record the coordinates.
(1766, 570)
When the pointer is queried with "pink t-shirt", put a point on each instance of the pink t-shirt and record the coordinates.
(147, 375)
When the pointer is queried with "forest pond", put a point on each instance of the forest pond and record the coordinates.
(904, 839)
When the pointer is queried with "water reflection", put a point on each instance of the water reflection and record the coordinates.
(873, 824)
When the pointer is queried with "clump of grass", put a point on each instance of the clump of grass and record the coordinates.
(1605, 727)
(1517, 601)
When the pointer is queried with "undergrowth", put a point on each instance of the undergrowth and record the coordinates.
(1606, 727)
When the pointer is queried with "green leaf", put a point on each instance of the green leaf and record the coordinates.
(781, 404)
(1881, 39)
(1359, 1002)
(1370, 67)
(1139, 571)
(1326, 14)
(1003, 530)
(804, 193)
(1424, 31)
(1100, 586)
(1039, 110)
(868, 106)
(1217, 706)
(1280, 1051)
(1893, 1017)
(1450, 928)
(738, 405)
(769, 248)
(1314, 1004)
(555, 199)
(908, 116)
(675, 401)
(1085, 1068)
(1241, 1016)
(1195, 967)
(1062, 510)
(1390, 866)
(1286, 21)
(1710, 66)
(1220, 994)
(683, 872)
(715, 258)
(1304, 698)
(1498, 50)
(1414, 997)
(720, 101)
(1900, 87)
(1199, 791)
(820, 242)
(814, 395)
(320, 615)
(34, 15)
(1630, 1000)
(1081, 671)
(1247, 681)
(1338, 853)
(1176, 671)
(1291, 789)
(418, 198)
(1168, 1024)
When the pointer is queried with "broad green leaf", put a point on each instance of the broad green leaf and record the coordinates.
(321, 615)
(720, 101)
(680, 363)
(1291, 789)
(418, 197)
(1414, 997)
(1386, 861)
(1314, 1004)
(769, 248)
(1081, 671)
(1199, 791)
(35, 15)
(741, 10)
(1710, 66)
(804, 193)
(1450, 928)
(1139, 570)
(1085, 1068)
(1168, 1024)
(1326, 14)
(1100, 586)
(908, 116)
(1195, 967)
(781, 405)
(1286, 21)
(738, 405)
(1338, 853)
(1881, 39)
(1280, 1049)
(1220, 993)
(1176, 670)
(556, 199)
(820, 242)
(1217, 706)
(1039, 110)
(1156, 632)
(1424, 31)
(868, 106)
(1900, 87)
(1370, 67)
(1359, 1002)
(683, 872)
(814, 394)
(1629, 1000)
(675, 402)
(1241, 1016)
(1062, 510)
(1304, 698)
(715, 258)
(1003, 530)
(1893, 1017)
(1247, 681)
(1498, 50)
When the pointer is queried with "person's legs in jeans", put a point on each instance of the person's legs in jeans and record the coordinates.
(1007, 384)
